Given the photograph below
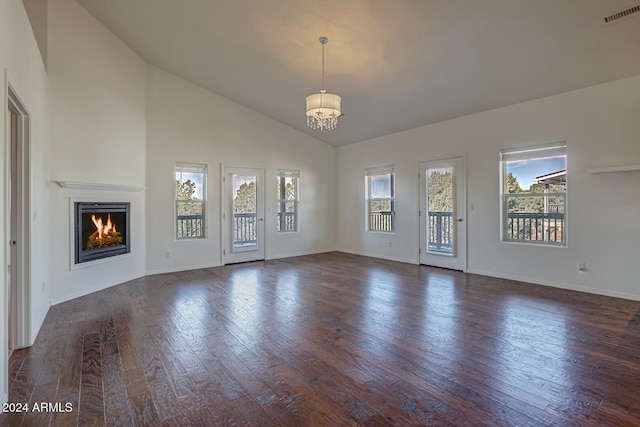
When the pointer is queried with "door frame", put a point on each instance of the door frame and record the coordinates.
(461, 210)
(225, 207)
(18, 283)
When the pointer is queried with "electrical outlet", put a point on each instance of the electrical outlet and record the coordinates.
(44, 285)
(390, 244)
(582, 266)
(168, 254)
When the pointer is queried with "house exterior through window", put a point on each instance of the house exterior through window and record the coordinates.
(380, 190)
(190, 198)
(288, 199)
(534, 194)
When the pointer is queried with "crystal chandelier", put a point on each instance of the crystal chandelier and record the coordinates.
(323, 109)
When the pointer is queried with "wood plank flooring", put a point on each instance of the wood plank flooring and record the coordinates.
(332, 339)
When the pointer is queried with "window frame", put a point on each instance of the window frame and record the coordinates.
(369, 174)
(283, 174)
(533, 152)
(182, 167)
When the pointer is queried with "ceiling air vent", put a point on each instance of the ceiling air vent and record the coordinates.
(622, 14)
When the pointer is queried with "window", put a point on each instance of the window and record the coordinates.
(288, 181)
(380, 198)
(190, 196)
(534, 194)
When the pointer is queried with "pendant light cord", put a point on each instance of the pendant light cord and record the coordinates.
(323, 41)
(323, 66)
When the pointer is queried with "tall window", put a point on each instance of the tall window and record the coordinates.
(288, 181)
(380, 198)
(534, 194)
(190, 197)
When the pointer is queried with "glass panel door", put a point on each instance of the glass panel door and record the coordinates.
(442, 214)
(243, 216)
(440, 202)
(244, 224)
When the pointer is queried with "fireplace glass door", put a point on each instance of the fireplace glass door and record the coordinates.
(101, 230)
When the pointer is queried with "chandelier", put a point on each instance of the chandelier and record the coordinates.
(323, 109)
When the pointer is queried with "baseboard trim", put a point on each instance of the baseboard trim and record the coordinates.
(33, 332)
(559, 285)
(320, 251)
(179, 269)
(198, 267)
(110, 284)
(379, 256)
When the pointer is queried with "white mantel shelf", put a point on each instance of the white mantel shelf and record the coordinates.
(93, 186)
(615, 169)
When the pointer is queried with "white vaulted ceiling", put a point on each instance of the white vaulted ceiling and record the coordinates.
(398, 64)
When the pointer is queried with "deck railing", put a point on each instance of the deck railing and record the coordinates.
(244, 225)
(289, 223)
(244, 228)
(543, 227)
(189, 226)
(440, 231)
(381, 221)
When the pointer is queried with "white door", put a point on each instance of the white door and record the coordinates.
(443, 231)
(13, 237)
(243, 215)
(17, 222)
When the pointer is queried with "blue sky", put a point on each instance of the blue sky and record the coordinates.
(381, 186)
(526, 170)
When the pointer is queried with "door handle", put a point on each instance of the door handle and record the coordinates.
(260, 219)
(12, 243)
(460, 219)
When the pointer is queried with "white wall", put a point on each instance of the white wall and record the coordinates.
(97, 135)
(20, 57)
(186, 123)
(101, 101)
(601, 126)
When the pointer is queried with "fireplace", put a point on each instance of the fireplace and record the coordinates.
(101, 230)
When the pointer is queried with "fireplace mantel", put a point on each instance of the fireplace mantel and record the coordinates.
(95, 186)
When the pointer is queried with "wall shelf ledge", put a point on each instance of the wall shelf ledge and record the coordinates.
(615, 169)
(95, 186)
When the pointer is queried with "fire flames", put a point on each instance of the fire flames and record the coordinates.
(109, 227)
(105, 234)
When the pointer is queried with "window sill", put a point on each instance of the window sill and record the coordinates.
(534, 243)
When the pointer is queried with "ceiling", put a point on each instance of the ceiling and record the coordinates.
(398, 64)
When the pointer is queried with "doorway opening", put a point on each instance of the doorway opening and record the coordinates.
(243, 215)
(443, 233)
(18, 222)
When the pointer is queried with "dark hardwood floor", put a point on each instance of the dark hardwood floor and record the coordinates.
(332, 339)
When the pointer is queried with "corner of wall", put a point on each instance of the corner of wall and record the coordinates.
(37, 12)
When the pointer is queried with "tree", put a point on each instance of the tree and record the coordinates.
(440, 187)
(290, 191)
(524, 226)
(187, 203)
(513, 186)
(245, 200)
(289, 188)
(185, 190)
(244, 226)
